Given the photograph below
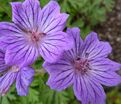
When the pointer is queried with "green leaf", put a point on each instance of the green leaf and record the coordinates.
(49, 96)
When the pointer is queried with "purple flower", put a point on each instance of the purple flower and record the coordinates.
(34, 32)
(86, 67)
(9, 74)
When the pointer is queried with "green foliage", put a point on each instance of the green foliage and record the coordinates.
(114, 96)
(5, 12)
(39, 93)
(85, 14)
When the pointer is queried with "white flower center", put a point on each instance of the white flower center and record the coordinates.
(35, 37)
(14, 68)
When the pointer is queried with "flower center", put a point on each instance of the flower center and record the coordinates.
(81, 65)
(35, 37)
(14, 68)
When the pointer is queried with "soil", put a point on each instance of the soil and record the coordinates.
(111, 31)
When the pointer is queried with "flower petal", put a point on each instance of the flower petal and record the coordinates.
(107, 78)
(103, 49)
(104, 64)
(53, 45)
(26, 14)
(3, 65)
(6, 81)
(51, 19)
(21, 53)
(93, 48)
(89, 44)
(88, 91)
(23, 80)
(61, 75)
(7, 41)
(8, 29)
(77, 41)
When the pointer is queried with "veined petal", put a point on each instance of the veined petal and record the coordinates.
(21, 53)
(23, 80)
(59, 65)
(3, 65)
(8, 29)
(10, 34)
(61, 75)
(76, 44)
(53, 45)
(104, 64)
(26, 14)
(103, 49)
(7, 41)
(51, 19)
(89, 45)
(107, 78)
(77, 41)
(80, 90)
(88, 91)
(93, 48)
(6, 81)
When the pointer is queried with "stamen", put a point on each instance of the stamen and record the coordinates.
(35, 37)
(81, 65)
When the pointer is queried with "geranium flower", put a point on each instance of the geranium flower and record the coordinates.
(34, 32)
(86, 67)
(23, 77)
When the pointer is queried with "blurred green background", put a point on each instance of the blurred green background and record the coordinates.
(85, 14)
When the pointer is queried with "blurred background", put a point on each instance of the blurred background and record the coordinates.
(101, 16)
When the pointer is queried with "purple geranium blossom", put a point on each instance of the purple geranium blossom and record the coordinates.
(86, 67)
(34, 32)
(9, 74)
